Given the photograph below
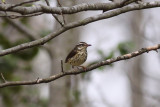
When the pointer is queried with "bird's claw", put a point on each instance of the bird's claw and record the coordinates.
(84, 68)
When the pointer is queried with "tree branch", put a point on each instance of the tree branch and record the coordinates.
(68, 10)
(20, 16)
(28, 33)
(22, 28)
(22, 3)
(54, 15)
(78, 71)
(88, 20)
(61, 12)
(3, 77)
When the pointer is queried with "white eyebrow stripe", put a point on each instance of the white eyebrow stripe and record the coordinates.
(81, 43)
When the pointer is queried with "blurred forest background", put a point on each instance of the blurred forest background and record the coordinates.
(129, 83)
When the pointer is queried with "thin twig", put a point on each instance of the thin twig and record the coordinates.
(55, 15)
(3, 78)
(58, 20)
(29, 15)
(78, 71)
(38, 79)
(126, 2)
(62, 66)
(61, 12)
(21, 16)
(28, 33)
(122, 4)
(22, 3)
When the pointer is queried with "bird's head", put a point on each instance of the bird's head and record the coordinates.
(82, 46)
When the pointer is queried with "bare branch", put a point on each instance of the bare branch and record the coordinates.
(123, 3)
(78, 71)
(3, 78)
(88, 20)
(20, 16)
(26, 31)
(54, 15)
(72, 9)
(62, 66)
(126, 2)
(22, 3)
(61, 12)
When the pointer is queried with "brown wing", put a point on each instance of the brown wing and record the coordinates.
(70, 55)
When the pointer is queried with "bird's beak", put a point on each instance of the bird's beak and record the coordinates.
(89, 45)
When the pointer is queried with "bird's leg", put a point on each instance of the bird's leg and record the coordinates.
(84, 68)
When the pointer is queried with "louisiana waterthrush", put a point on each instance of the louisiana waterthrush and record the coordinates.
(78, 55)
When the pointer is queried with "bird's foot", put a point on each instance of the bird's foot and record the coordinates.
(84, 68)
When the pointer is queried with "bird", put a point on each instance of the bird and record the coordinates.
(78, 55)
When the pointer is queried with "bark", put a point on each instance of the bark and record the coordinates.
(135, 71)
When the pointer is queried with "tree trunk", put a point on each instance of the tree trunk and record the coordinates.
(61, 90)
(135, 71)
